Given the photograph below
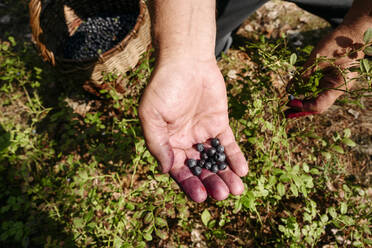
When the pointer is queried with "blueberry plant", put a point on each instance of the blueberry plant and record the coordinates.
(75, 171)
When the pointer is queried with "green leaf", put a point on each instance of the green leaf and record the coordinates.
(358, 244)
(293, 59)
(118, 242)
(305, 167)
(206, 217)
(347, 132)
(294, 189)
(368, 51)
(324, 218)
(147, 236)
(347, 220)
(326, 155)
(78, 222)
(130, 206)
(338, 149)
(148, 218)
(332, 212)
(343, 208)
(12, 41)
(364, 64)
(160, 222)
(161, 234)
(281, 189)
(348, 142)
(367, 36)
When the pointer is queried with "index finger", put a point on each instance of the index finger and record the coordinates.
(189, 183)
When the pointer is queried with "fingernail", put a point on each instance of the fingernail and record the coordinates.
(299, 114)
(295, 103)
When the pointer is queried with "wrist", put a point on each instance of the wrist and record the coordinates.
(184, 29)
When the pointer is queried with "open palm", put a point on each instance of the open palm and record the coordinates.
(185, 104)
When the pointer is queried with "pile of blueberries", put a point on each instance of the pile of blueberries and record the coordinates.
(97, 35)
(212, 159)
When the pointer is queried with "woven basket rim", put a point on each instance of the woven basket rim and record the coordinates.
(106, 55)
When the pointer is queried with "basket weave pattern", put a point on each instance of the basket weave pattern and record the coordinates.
(53, 21)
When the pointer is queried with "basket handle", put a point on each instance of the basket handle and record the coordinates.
(35, 11)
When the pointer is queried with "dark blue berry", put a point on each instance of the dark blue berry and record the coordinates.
(211, 152)
(200, 147)
(191, 163)
(220, 157)
(201, 162)
(204, 156)
(220, 149)
(222, 165)
(98, 34)
(215, 142)
(208, 165)
(214, 168)
(196, 170)
(212, 161)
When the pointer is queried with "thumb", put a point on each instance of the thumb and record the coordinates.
(157, 138)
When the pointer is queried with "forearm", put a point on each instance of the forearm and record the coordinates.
(183, 29)
(359, 15)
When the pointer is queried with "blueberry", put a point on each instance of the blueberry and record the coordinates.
(222, 165)
(191, 163)
(208, 165)
(220, 149)
(211, 152)
(200, 147)
(220, 157)
(215, 142)
(204, 156)
(212, 161)
(214, 168)
(201, 162)
(196, 170)
(98, 33)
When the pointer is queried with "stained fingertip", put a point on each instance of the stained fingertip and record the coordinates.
(216, 187)
(194, 189)
(238, 164)
(233, 181)
(295, 114)
(234, 155)
(295, 103)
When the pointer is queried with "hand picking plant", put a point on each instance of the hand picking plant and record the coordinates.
(310, 87)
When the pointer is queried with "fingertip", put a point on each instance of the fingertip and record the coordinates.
(233, 181)
(295, 103)
(238, 190)
(194, 189)
(216, 187)
(238, 164)
(243, 170)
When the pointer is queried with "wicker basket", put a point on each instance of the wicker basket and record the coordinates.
(52, 21)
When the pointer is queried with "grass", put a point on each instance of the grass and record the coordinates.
(75, 171)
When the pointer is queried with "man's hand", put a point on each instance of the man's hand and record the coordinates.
(337, 45)
(184, 104)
